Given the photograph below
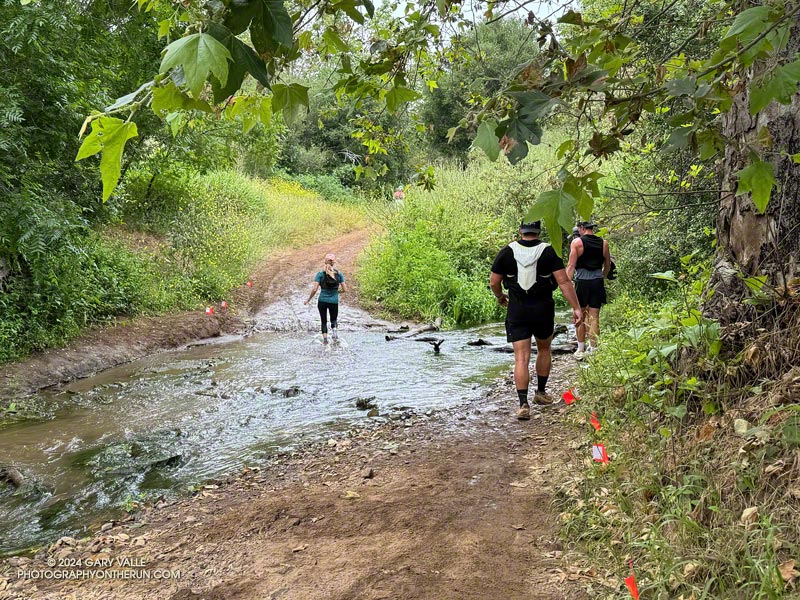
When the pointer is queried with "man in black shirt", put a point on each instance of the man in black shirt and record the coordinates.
(589, 262)
(530, 271)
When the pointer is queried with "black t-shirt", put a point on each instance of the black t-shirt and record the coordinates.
(549, 262)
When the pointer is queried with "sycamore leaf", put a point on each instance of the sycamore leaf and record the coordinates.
(533, 105)
(251, 109)
(128, 98)
(571, 18)
(198, 54)
(277, 23)
(757, 178)
(108, 136)
(749, 24)
(781, 85)
(399, 95)
(369, 7)
(555, 208)
(584, 204)
(486, 139)
(169, 98)
(289, 99)
(241, 13)
(333, 41)
(245, 60)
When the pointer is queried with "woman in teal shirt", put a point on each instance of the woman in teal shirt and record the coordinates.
(330, 280)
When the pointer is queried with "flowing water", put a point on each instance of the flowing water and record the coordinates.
(160, 424)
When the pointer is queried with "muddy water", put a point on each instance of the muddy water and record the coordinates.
(161, 424)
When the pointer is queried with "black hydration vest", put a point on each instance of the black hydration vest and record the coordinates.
(592, 257)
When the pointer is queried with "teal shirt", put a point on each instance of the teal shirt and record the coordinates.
(331, 296)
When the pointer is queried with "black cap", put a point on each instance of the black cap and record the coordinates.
(530, 227)
(586, 225)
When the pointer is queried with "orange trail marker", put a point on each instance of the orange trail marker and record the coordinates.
(599, 453)
(569, 397)
(630, 581)
(210, 310)
(595, 422)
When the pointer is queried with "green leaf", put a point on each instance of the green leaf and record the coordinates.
(175, 121)
(486, 139)
(681, 87)
(241, 13)
(565, 147)
(277, 23)
(571, 18)
(666, 276)
(780, 85)
(678, 139)
(749, 24)
(169, 98)
(289, 99)
(533, 105)
(128, 98)
(108, 136)
(251, 109)
(333, 41)
(555, 208)
(677, 411)
(245, 60)
(399, 95)
(198, 54)
(758, 179)
(584, 202)
(369, 7)
(164, 27)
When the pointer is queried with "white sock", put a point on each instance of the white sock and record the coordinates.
(581, 346)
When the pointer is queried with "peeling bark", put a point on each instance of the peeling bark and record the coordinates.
(748, 242)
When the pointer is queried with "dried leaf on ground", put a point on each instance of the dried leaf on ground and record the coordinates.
(788, 572)
(749, 515)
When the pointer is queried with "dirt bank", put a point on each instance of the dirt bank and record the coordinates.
(128, 339)
(455, 505)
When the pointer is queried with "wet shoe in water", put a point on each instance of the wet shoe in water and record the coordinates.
(542, 398)
(334, 336)
(524, 412)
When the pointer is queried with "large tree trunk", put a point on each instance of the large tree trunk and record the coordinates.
(750, 243)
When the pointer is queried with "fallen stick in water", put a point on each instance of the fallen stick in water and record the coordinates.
(423, 329)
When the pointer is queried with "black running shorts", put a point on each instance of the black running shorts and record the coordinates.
(526, 321)
(591, 292)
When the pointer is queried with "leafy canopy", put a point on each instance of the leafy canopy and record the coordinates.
(595, 67)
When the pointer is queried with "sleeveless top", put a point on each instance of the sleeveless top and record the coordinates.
(590, 263)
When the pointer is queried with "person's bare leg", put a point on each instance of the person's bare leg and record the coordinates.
(593, 325)
(522, 376)
(580, 330)
(522, 359)
(544, 361)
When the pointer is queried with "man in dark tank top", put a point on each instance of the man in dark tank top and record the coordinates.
(589, 263)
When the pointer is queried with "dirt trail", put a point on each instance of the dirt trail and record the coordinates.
(126, 340)
(452, 507)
